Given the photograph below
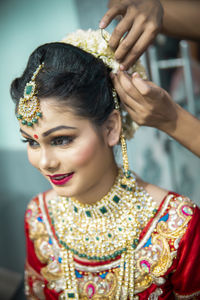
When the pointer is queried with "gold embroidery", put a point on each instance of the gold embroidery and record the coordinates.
(52, 271)
(153, 260)
(94, 287)
(164, 261)
(43, 249)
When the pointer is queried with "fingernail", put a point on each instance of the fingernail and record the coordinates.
(122, 68)
(135, 75)
(112, 75)
(126, 73)
(102, 24)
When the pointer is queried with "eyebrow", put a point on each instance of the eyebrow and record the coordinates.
(46, 133)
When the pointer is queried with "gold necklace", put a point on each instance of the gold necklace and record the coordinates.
(102, 231)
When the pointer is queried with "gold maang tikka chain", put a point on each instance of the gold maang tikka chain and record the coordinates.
(29, 106)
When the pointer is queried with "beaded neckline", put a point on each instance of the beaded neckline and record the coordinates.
(101, 231)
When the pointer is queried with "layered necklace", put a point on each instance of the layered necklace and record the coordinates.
(102, 231)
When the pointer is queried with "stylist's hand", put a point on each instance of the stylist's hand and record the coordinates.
(146, 103)
(141, 21)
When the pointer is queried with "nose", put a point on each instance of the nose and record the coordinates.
(48, 160)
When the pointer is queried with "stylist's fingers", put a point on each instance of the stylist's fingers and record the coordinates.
(143, 41)
(149, 90)
(128, 42)
(121, 88)
(111, 14)
(123, 26)
(126, 82)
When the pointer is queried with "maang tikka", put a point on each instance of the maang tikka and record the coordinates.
(29, 106)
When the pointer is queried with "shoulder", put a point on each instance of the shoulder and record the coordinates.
(157, 193)
(33, 210)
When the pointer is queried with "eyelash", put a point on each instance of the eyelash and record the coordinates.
(57, 141)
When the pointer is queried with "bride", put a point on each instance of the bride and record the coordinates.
(100, 232)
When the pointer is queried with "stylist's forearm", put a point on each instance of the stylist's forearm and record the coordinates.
(181, 18)
(186, 130)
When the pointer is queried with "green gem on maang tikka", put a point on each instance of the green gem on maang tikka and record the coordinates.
(29, 106)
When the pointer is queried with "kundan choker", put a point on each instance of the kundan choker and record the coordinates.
(103, 231)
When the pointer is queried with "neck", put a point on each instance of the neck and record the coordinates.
(101, 188)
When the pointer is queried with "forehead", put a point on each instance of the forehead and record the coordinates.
(54, 115)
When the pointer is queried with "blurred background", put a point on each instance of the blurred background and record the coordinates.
(156, 158)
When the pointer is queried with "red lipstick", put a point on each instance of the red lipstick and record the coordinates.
(60, 179)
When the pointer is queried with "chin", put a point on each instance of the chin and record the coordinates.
(64, 191)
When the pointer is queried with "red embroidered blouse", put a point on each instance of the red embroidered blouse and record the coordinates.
(168, 257)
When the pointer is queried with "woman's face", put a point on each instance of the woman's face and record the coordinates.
(67, 150)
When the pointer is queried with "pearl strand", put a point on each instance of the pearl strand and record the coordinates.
(131, 274)
(120, 278)
(126, 275)
(70, 278)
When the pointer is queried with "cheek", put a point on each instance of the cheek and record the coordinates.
(33, 158)
(87, 152)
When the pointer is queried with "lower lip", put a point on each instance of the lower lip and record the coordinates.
(61, 181)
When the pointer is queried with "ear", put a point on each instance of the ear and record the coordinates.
(112, 128)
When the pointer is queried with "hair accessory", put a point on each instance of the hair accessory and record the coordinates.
(96, 42)
(29, 106)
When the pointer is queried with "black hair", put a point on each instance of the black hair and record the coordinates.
(73, 77)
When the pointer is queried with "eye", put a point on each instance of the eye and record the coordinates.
(32, 143)
(62, 140)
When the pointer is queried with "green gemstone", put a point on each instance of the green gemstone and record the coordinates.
(19, 117)
(103, 210)
(29, 89)
(97, 238)
(129, 218)
(75, 209)
(34, 120)
(155, 211)
(120, 229)
(123, 186)
(71, 295)
(88, 213)
(87, 239)
(133, 246)
(138, 206)
(29, 124)
(39, 114)
(24, 122)
(109, 235)
(129, 189)
(128, 174)
(116, 199)
(136, 241)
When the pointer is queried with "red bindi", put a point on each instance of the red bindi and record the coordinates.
(35, 136)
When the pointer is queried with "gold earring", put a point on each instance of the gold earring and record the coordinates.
(127, 172)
